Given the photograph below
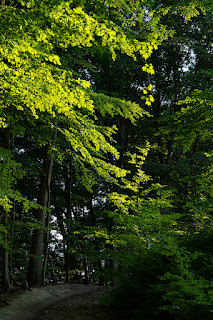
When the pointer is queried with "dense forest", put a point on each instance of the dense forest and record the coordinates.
(106, 158)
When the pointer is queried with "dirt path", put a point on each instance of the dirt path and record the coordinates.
(57, 302)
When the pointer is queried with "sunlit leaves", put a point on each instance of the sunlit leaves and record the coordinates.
(148, 68)
(114, 106)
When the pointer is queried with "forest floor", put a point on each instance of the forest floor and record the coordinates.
(57, 302)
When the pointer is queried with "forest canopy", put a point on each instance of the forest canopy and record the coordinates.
(106, 173)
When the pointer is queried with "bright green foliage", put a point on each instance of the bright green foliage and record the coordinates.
(91, 82)
(10, 172)
(35, 86)
(34, 82)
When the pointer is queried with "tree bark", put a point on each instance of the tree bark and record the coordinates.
(86, 271)
(5, 285)
(46, 240)
(68, 214)
(36, 254)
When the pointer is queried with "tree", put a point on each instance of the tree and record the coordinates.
(37, 87)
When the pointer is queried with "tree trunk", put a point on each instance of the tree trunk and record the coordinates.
(68, 214)
(5, 285)
(46, 241)
(86, 271)
(36, 254)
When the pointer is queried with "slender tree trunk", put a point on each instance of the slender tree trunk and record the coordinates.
(12, 226)
(67, 256)
(5, 254)
(123, 143)
(35, 263)
(11, 245)
(5, 285)
(86, 271)
(46, 240)
(101, 279)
